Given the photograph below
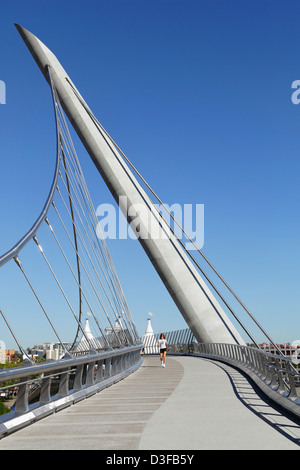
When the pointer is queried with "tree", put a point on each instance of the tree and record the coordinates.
(3, 409)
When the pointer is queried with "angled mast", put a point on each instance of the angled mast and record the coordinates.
(200, 309)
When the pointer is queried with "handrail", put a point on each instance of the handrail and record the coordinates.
(272, 373)
(275, 374)
(77, 378)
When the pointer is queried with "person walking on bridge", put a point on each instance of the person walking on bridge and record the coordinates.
(163, 347)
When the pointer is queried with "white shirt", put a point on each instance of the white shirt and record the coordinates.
(162, 343)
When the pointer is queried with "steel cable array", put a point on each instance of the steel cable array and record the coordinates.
(70, 218)
(118, 152)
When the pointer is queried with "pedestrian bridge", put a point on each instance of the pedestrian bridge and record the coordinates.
(194, 403)
(62, 266)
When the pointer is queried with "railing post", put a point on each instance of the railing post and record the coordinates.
(123, 362)
(119, 363)
(229, 351)
(78, 377)
(268, 379)
(293, 392)
(256, 362)
(107, 371)
(282, 389)
(45, 394)
(90, 375)
(241, 353)
(99, 374)
(260, 369)
(21, 404)
(63, 389)
(236, 352)
(114, 365)
(251, 360)
(274, 383)
(264, 371)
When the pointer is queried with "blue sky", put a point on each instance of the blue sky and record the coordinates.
(198, 95)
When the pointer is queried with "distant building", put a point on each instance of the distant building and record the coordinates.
(47, 350)
(6, 355)
(287, 349)
(117, 328)
(88, 339)
(150, 343)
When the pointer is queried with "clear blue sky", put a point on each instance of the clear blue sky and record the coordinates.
(198, 96)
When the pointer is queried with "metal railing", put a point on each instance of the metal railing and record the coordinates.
(62, 383)
(276, 375)
(273, 374)
(178, 337)
(58, 384)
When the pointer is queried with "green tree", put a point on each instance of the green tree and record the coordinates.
(3, 409)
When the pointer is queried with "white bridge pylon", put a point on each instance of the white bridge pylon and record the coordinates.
(201, 310)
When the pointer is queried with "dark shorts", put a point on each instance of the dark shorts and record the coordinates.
(162, 350)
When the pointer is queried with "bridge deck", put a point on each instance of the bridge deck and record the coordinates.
(191, 404)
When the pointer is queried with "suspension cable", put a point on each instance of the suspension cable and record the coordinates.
(15, 338)
(82, 264)
(18, 262)
(93, 245)
(72, 271)
(91, 213)
(91, 262)
(75, 242)
(101, 129)
(62, 291)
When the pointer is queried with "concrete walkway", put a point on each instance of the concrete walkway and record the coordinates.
(192, 404)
